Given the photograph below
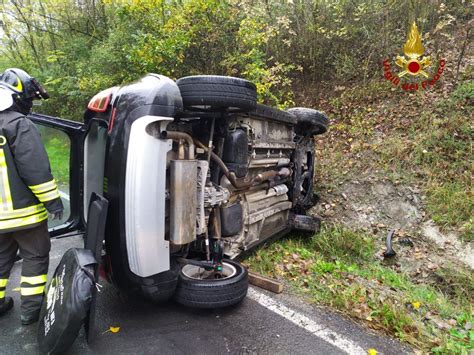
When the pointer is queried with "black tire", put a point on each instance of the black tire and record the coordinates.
(161, 287)
(302, 194)
(213, 293)
(310, 122)
(213, 92)
(275, 114)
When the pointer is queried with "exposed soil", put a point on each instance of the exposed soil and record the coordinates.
(375, 205)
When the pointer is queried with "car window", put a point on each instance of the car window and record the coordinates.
(58, 147)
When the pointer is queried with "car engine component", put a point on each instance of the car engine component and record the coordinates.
(183, 201)
(231, 219)
(236, 152)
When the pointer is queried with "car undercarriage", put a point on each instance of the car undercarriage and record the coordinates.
(195, 174)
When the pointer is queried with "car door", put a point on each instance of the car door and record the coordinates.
(77, 154)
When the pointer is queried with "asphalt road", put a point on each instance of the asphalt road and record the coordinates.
(263, 324)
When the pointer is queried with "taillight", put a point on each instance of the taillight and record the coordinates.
(112, 119)
(100, 102)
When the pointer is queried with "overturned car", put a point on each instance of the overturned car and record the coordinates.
(196, 173)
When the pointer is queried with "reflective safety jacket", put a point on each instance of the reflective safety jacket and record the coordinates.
(27, 187)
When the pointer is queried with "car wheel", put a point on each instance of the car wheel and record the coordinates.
(213, 92)
(275, 114)
(199, 288)
(310, 122)
(302, 194)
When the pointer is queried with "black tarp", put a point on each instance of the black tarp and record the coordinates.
(68, 300)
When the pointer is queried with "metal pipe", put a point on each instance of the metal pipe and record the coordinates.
(204, 264)
(219, 151)
(211, 136)
(216, 220)
(181, 150)
(267, 175)
(208, 251)
(232, 178)
(278, 162)
(177, 136)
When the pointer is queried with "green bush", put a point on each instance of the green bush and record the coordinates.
(80, 48)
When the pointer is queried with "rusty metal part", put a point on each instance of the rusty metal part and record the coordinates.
(265, 213)
(267, 175)
(232, 178)
(178, 136)
(183, 201)
(203, 169)
(269, 162)
(241, 184)
(216, 220)
(181, 154)
(285, 172)
(211, 135)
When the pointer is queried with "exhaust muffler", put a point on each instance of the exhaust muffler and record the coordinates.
(183, 201)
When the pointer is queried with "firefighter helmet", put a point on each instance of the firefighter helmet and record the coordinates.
(23, 89)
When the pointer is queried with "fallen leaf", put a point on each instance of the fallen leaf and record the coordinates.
(112, 330)
(432, 266)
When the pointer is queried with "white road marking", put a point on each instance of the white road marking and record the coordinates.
(306, 323)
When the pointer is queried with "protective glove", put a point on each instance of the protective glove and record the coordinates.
(57, 215)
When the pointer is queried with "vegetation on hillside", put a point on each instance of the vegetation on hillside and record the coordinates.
(80, 47)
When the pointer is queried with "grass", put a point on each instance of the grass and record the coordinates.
(450, 205)
(338, 268)
(436, 152)
(57, 146)
(423, 139)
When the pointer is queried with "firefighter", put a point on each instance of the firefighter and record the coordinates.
(28, 192)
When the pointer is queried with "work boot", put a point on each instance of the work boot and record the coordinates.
(30, 318)
(6, 305)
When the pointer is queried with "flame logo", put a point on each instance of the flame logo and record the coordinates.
(413, 47)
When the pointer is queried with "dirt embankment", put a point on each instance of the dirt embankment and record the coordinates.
(377, 205)
(398, 160)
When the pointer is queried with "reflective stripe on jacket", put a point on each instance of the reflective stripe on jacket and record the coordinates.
(27, 187)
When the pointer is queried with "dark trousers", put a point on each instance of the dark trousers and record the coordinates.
(34, 245)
